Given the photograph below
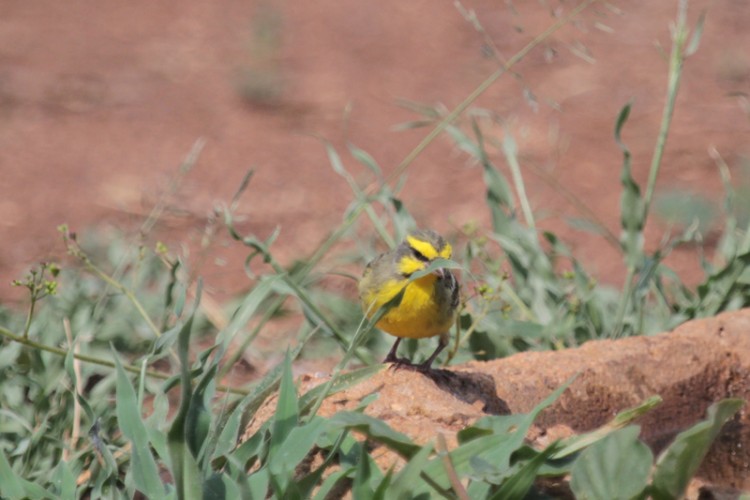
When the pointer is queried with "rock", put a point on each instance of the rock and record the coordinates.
(695, 365)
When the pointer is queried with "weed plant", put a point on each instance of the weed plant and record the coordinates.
(107, 392)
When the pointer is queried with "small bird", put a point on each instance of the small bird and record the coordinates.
(428, 304)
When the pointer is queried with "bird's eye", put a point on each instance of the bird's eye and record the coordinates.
(419, 255)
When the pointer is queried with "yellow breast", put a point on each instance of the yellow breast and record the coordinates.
(417, 316)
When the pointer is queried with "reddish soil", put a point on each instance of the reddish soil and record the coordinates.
(99, 104)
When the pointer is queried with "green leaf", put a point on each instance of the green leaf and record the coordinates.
(377, 430)
(679, 462)
(365, 159)
(404, 484)
(12, 485)
(214, 488)
(64, 480)
(298, 443)
(617, 467)
(249, 405)
(716, 291)
(251, 448)
(163, 344)
(231, 488)
(144, 469)
(155, 423)
(632, 207)
(287, 410)
(185, 470)
(198, 419)
(517, 486)
(247, 309)
(285, 419)
(490, 442)
(694, 42)
(362, 485)
(227, 439)
(258, 483)
(328, 484)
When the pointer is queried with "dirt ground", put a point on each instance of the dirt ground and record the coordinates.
(99, 104)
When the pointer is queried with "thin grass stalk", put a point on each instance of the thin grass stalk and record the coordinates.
(511, 156)
(486, 84)
(676, 60)
(248, 339)
(4, 332)
(75, 432)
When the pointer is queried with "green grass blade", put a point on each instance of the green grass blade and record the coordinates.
(258, 483)
(286, 416)
(297, 444)
(198, 419)
(366, 159)
(716, 291)
(378, 431)
(577, 443)
(12, 485)
(247, 309)
(409, 480)
(185, 470)
(517, 486)
(695, 40)
(510, 150)
(143, 466)
(342, 382)
(285, 420)
(363, 477)
(632, 215)
(615, 468)
(330, 482)
(64, 479)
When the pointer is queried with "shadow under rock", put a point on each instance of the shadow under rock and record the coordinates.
(470, 387)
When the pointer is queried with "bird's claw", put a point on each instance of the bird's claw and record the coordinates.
(403, 363)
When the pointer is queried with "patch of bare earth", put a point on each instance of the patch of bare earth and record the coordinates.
(99, 103)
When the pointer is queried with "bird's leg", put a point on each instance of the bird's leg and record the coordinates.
(397, 362)
(392, 358)
(427, 365)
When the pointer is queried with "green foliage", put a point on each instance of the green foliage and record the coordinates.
(79, 421)
(617, 467)
(677, 464)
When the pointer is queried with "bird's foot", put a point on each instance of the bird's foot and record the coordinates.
(405, 364)
(399, 363)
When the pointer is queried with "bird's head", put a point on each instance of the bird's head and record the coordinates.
(419, 249)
